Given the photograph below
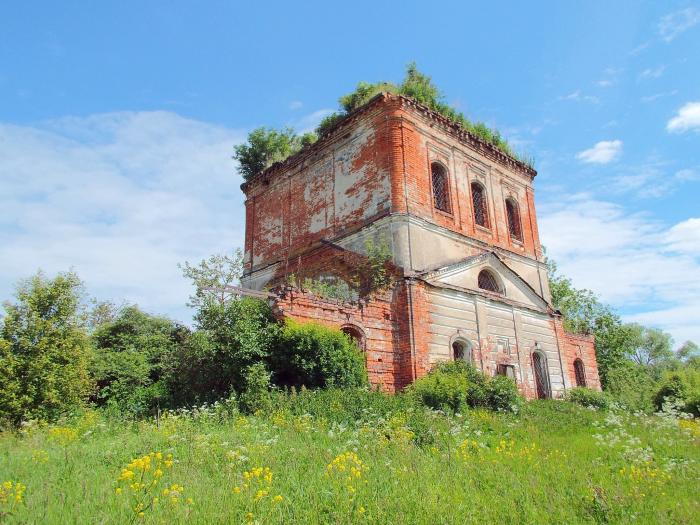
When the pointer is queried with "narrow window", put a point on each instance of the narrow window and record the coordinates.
(488, 281)
(441, 195)
(513, 214)
(539, 363)
(481, 212)
(580, 373)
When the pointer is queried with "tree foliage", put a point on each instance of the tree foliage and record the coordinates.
(317, 356)
(45, 352)
(265, 146)
(130, 352)
(211, 277)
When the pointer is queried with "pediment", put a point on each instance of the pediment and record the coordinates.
(465, 273)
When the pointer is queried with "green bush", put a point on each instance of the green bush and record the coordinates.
(44, 350)
(631, 385)
(681, 386)
(587, 397)
(256, 394)
(316, 356)
(442, 390)
(130, 351)
(455, 385)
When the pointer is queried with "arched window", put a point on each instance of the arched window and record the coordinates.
(488, 281)
(516, 232)
(461, 351)
(539, 364)
(481, 211)
(441, 194)
(580, 373)
(355, 334)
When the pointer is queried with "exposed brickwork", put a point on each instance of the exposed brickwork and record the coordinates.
(309, 216)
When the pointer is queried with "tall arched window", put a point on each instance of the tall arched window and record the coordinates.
(580, 373)
(539, 363)
(513, 213)
(441, 194)
(481, 211)
(355, 334)
(488, 281)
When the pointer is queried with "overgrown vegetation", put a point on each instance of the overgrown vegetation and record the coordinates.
(553, 462)
(266, 146)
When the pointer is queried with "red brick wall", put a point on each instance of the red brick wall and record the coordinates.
(578, 347)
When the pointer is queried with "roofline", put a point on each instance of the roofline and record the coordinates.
(465, 136)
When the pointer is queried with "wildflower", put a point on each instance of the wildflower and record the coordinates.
(278, 498)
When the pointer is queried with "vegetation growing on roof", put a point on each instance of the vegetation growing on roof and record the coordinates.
(266, 146)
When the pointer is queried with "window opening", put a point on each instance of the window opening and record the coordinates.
(441, 195)
(481, 215)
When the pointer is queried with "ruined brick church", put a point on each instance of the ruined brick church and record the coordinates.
(458, 216)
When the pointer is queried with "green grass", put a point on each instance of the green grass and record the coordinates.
(552, 463)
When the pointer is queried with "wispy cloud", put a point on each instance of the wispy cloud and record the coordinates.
(122, 198)
(673, 24)
(309, 122)
(656, 96)
(610, 75)
(296, 104)
(648, 270)
(652, 179)
(577, 96)
(603, 152)
(654, 72)
(688, 118)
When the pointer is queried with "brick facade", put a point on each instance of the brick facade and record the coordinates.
(369, 178)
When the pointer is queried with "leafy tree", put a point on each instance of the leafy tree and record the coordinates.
(129, 354)
(230, 337)
(265, 146)
(689, 354)
(212, 276)
(44, 350)
(651, 346)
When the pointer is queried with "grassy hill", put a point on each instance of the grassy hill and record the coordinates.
(353, 457)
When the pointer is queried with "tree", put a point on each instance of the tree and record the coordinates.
(44, 350)
(689, 354)
(212, 276)
(230, 337)
(265, 146)
(130, 351)
(651, 347)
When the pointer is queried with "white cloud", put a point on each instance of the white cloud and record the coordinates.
(296, 104)
(655, 72)
(603, 152)
(688, 118)
(672, 25)
(122, 198)
(577, 96)
(636, 264)
(309, 122)
(656, 96)
(604, 83)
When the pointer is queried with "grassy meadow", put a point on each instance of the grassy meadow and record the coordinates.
(351, 457)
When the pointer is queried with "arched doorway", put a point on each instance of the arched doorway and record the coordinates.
(356, 334)
(539, 365)
(580, 373)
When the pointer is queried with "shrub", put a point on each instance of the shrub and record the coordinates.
(256, 394)
(631, 385)
(587, 398)
(682, 386)
(44, 350)
(129, 354)
(454, 385)
(442, 390)
(266, 146)
(317, 356)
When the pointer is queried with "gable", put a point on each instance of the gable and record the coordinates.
(465, 274)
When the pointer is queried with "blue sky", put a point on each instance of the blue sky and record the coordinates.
(117, 121)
